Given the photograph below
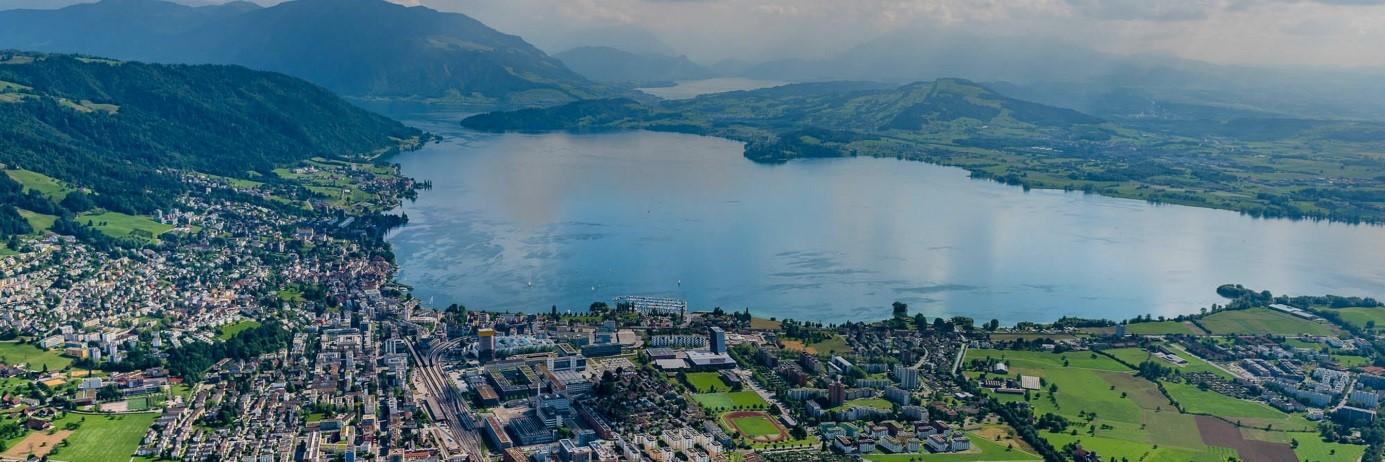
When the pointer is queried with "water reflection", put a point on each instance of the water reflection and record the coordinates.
(523, 222)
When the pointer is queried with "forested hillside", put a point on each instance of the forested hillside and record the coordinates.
(118, 132)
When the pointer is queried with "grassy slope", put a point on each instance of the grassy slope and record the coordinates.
(44, 184)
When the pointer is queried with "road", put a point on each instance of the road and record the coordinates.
(441, 389)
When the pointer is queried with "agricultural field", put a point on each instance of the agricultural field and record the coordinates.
(1360, 317)
(1118, 414)
(730, 400)
(1259, 321)
(1162, 328)
(14, 353)
(1195, 364)
(1248, 413)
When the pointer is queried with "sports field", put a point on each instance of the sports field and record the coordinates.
(726, 401)
(756, 426)
(1260, 321)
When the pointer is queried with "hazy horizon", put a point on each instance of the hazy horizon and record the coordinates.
(1283, 34)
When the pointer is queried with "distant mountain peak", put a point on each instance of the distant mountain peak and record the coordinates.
(367, 48)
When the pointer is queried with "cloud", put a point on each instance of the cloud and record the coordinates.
(1257, 32)
(1145, 10)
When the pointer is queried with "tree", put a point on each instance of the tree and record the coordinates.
(900, 309)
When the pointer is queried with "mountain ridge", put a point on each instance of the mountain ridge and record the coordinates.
(360, 48)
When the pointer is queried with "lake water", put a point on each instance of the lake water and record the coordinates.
(694, 88)
(523, 222)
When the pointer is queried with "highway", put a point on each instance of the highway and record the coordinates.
(443, 392)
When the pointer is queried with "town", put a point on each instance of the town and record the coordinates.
(261, 322)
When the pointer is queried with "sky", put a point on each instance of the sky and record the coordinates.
(1279, 33)
(1329, 33)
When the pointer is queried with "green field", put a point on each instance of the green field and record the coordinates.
(1259, 321)
(22, 353)
(44, 184)
(707, 382)
(1136, 356)
(1311, 447)
(1161, 328)
(40, 222)
(1112, 410)
(1248, 413)
(754, 426)
(230, 330)
(1360, 316)
(120, 226)
(730, 400)
(103, 438)
(140, 403)
(983, 450)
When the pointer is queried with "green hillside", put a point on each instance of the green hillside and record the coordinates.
(1323, 169)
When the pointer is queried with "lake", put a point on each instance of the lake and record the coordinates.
(693, 88)
(523, 222)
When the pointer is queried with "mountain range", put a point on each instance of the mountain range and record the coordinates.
(361, 48)
(610, 64)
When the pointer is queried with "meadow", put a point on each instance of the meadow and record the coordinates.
(230, 330)
(1255, 321)
(123, 226)
(102, 438)
(22, 353)
(1360, 317)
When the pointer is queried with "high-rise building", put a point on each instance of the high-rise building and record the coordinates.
(836, 393)
(485, 345)
(718, 340)
(907, 377)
